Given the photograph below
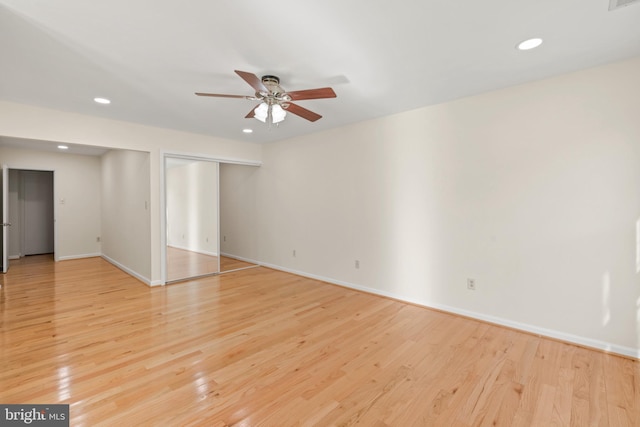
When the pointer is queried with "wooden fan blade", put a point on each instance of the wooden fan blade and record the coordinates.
(302, 112)
(219, 95)
(253, 81)
(252, 113)
(324, 92)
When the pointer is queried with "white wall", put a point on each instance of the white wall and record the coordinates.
(238, 211)
(126, 217)
(533, 191)
(77, 182)
(192, 207)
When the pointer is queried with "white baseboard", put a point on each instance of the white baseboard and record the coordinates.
(68, 257)
(549, 333)
(117, 264)
(63, 258)
(239, 258)
(184, 248)
(129, 271)
(536, 330)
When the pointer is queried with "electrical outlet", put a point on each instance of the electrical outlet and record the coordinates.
(294, 253)
(224, 239)
(357, 264)
(471, 284)
(98, 239)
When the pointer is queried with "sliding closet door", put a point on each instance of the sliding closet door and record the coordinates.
(192, 217)
(238, 216)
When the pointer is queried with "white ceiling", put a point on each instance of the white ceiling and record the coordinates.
(381, 57)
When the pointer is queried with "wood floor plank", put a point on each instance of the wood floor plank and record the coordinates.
(260, 347)
(561, 415)
(622, 397)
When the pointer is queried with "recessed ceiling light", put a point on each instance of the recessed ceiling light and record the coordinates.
(247, 130)
(530, 44)
(63, 147)
(102, 100)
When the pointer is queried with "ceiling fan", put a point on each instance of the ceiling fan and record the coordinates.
(275, 102)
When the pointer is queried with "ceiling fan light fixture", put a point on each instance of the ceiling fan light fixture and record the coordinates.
(261, 112)
(273, 113)
(277, 113)
(275, 102)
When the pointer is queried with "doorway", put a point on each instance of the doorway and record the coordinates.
(35, 195)
(30, 212)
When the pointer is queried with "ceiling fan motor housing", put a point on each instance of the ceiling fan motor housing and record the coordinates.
(273, 84)
(268, 79)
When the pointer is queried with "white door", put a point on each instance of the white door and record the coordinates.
(4, 233)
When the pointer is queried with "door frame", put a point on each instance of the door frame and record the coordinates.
(5, 217)
(5, 170)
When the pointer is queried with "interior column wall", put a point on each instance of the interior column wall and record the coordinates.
(126, 218)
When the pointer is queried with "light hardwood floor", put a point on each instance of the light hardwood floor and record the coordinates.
(260, 347)
(183, 264)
